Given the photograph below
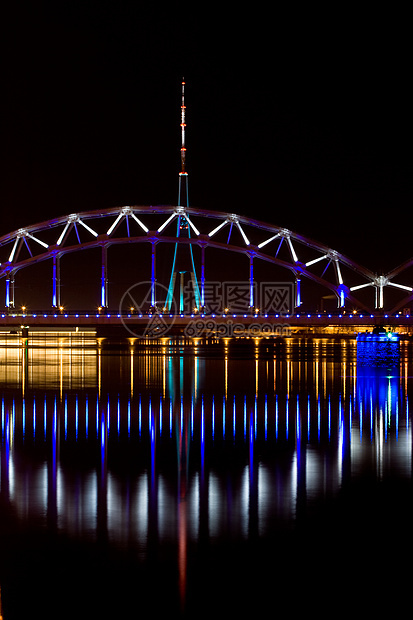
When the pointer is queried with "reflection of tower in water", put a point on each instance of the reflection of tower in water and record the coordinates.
(183, 264)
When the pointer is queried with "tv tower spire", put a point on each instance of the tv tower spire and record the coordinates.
(183, 172)
(182, 226)
(183, 125)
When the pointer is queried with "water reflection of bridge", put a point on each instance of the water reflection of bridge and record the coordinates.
(326, 418)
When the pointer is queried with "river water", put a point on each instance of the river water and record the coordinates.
(224, 478)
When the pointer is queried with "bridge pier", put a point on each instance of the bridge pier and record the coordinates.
(252, 297)
(10, 291)
(104, 278)
(202, 278)
(153, 274)
(56, 303)
(297, 302)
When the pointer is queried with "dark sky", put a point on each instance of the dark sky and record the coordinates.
(299, 118)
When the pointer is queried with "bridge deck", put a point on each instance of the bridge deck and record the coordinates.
(230, 324)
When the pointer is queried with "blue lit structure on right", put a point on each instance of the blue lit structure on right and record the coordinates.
(378, 348)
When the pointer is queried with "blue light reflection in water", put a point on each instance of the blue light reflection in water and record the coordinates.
(236, 463)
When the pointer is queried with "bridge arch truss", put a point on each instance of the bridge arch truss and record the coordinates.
(302, 257)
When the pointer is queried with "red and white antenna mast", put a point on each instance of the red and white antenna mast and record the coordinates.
(183, 125)
(183, 172)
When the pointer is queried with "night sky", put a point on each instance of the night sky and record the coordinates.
(301, 118)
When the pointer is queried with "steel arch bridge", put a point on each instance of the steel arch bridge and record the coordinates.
(301, 257)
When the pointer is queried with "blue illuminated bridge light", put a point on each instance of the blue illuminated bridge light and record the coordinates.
(297, 316)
